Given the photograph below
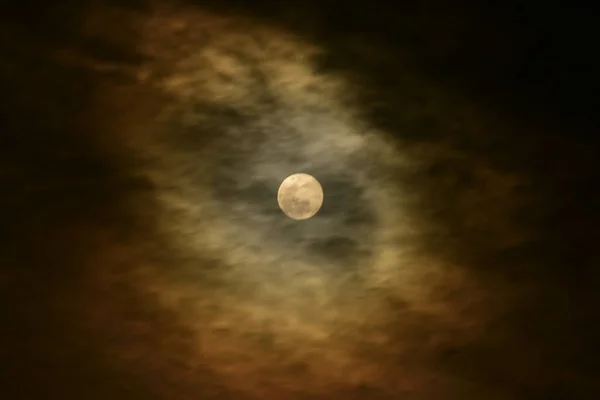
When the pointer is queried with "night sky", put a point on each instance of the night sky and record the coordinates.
(142, 251)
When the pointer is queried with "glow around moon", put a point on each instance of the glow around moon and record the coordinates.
(300, 196)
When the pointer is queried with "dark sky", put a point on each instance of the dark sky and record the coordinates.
(142, 252)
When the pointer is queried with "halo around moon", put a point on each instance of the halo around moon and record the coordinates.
(300, 196)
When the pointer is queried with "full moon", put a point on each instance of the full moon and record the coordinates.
(300, 196)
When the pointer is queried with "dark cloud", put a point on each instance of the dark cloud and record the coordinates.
(143, 254)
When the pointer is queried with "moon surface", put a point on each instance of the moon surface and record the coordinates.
(300, 196)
